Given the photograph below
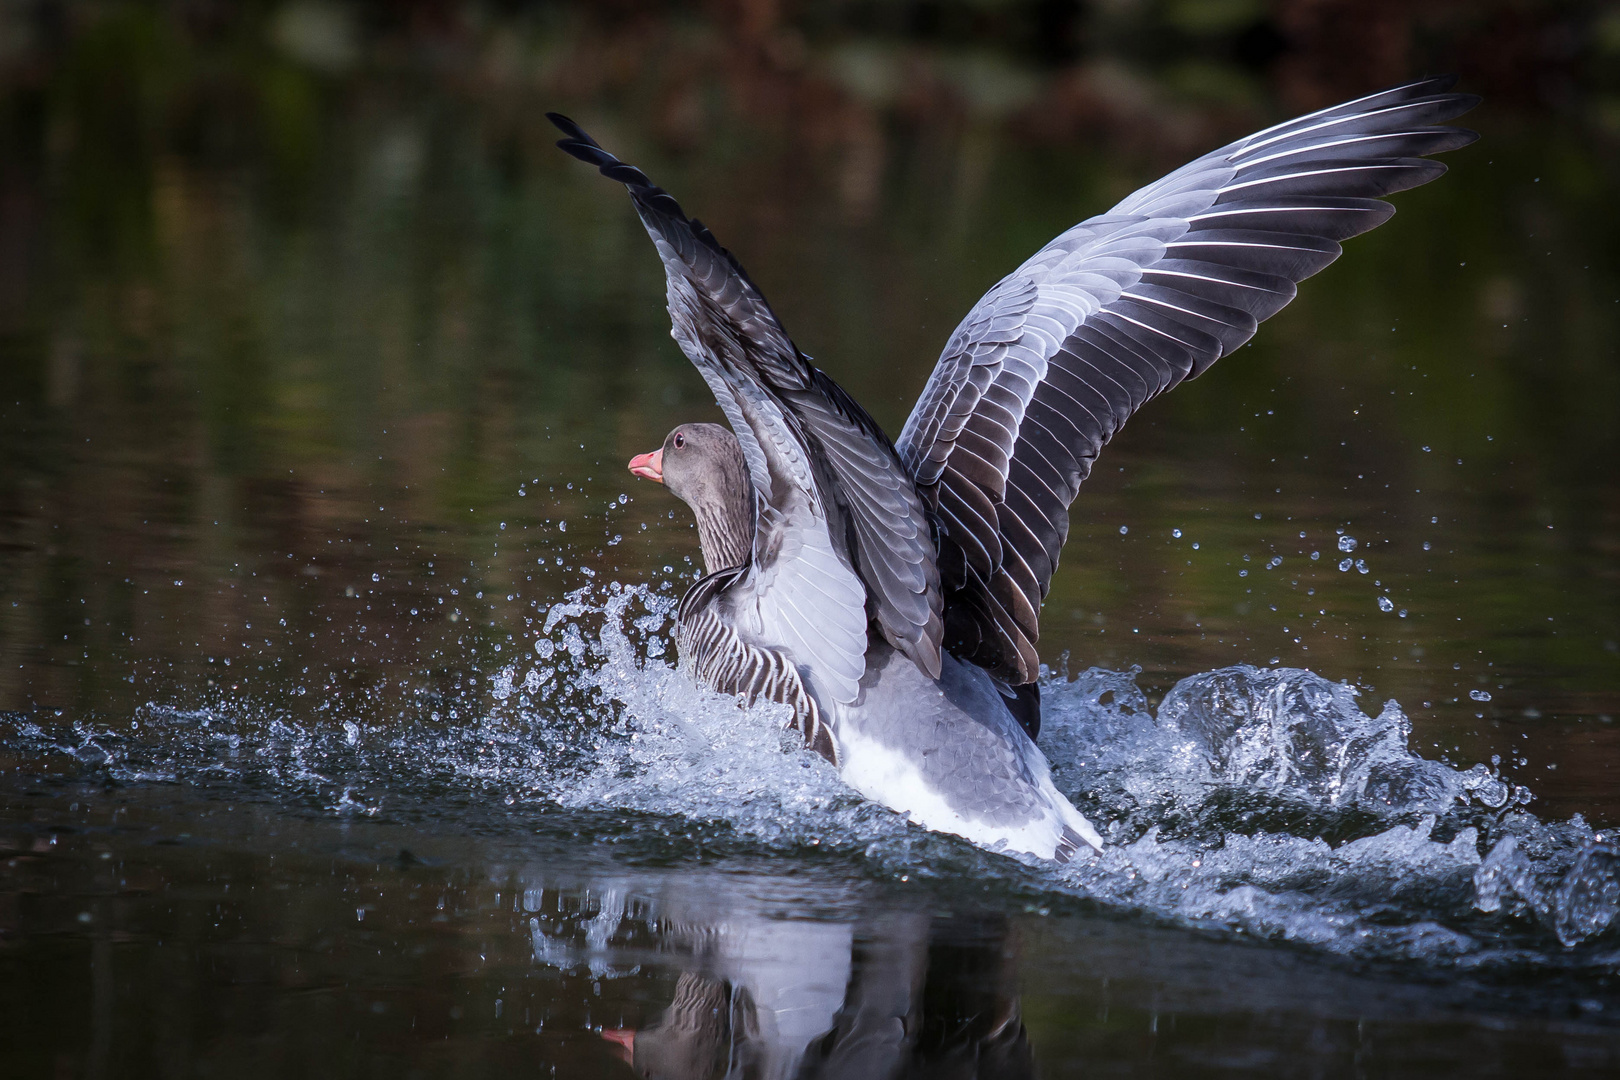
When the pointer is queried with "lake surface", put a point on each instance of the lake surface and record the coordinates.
(340, 730)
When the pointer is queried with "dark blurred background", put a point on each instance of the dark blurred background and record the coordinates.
(307, 334)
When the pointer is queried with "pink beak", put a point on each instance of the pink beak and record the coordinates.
(622, 1039)
(649, 466)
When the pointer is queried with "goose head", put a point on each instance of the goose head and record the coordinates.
(702, 465)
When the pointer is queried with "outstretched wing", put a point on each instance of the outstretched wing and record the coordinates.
(829, 485)
(1122, 307)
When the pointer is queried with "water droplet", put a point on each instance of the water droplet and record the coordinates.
(1480, 695)
(1347, 543)
(1385, 604)
(1176, 533)
(1123, 529)
(1344, 564)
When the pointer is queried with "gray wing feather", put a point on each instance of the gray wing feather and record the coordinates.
(809, 448)
(1120, 308)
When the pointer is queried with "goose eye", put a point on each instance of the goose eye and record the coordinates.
(680, 440)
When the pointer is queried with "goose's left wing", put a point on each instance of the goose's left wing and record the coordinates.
(820, 466)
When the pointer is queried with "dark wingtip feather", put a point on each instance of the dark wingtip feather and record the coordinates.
(581, 146)
(1437, 92)
(1453, 105)
(569, 128)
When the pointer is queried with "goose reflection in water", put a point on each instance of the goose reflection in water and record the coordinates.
(900, 994)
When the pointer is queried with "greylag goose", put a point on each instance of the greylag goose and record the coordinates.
(889, 593)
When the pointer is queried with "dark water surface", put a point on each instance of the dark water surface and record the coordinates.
(318, 373)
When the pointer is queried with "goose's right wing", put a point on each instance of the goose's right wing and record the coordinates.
(1122, 307)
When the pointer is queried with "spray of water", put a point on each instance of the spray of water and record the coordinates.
(1260, 801)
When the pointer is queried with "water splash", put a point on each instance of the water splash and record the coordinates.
(1576, 902)
(1260, 801)
(1266, 801)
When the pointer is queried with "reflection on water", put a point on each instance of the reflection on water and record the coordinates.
(318, 370)
(152, 934)
(895, 993)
